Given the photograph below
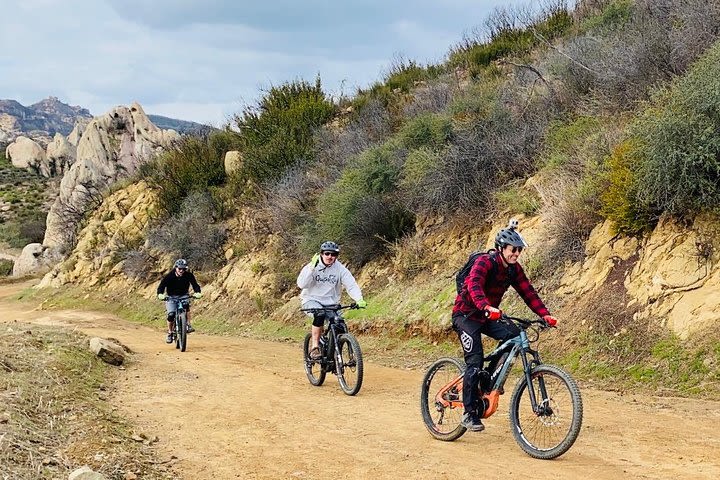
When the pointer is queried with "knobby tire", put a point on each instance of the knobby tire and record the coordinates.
(349, 366)
(442, 422)
(313, 368)
(551, 432)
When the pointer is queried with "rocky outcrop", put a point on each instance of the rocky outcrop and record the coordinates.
(117, 226)
(40, 121)
(673, 276)
(77, 131)
(26, 154)
(111, 148)
(34, 259)
(59, 157)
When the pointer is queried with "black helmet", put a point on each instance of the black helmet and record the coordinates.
(181, 263)
(329, 247)
(508, 236)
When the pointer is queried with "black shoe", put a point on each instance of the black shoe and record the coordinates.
(190, 328)
(170, 337)
(472, 422)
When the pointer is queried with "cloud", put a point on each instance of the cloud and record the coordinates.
(207, 58)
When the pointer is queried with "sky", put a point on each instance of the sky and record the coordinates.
(204, 60)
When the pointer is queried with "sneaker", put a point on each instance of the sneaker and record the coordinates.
(169, 338)
(190, 328)
(314, 354)
(472, 422)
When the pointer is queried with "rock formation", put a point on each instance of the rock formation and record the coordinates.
(26, 153)
(111, 148)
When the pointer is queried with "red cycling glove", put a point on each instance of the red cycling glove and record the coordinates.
(492, 313)
(550, 320)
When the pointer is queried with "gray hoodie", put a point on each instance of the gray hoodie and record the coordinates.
(324, 284)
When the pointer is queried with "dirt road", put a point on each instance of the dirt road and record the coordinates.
(238, 408)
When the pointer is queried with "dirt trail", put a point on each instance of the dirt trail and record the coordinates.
(238, 408)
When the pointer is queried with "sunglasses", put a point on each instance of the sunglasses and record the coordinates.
(517, 249)
(330, 254)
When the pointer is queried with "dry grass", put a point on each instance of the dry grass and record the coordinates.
(54, 415)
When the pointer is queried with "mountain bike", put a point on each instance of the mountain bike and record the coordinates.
(180, 329)
(545, 407)
(339, 351)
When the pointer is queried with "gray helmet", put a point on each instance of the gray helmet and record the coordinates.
(509, 236)
(181, 263)
(329, 247)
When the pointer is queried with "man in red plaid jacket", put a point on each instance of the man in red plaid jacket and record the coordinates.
(476, 311)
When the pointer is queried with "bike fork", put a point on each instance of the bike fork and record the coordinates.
(538, 408)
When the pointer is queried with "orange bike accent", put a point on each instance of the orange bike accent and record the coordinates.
(449, 395)
(493, 399)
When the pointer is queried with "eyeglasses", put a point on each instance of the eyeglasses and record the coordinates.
(517, 249)
(181, 269)
(330, 254)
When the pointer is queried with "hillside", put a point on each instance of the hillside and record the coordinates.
(594, 126)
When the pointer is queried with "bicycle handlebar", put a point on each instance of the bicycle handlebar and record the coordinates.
(525, 323)
(332, 308)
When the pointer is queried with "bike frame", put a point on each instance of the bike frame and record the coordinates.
(336, 327)
(519, 346)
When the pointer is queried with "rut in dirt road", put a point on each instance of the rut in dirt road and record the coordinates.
(238, 408)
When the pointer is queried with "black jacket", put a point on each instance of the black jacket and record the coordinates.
(178, 285)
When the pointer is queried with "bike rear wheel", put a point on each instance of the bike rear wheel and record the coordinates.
(349, 364)
(313, 368)
(443, 422)
(551, 430)
(181, 336)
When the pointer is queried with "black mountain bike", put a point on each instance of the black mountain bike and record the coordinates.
(339, 352)
(545, 407)
(180, 330)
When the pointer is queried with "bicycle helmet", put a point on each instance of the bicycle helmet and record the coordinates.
(509, 236)
(181, 263)
(329, 247)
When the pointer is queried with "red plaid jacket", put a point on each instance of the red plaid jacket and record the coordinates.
(481, 288)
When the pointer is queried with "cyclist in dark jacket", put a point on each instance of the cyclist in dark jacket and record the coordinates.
(477, 309)
(177, 283)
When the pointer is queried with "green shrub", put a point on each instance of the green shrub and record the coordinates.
(619, 200)
(278, 132)
(679, 171)
(360, 210)
(612, 17)
(6, 267)
(518, 200)
(193, 164)
(429, 130)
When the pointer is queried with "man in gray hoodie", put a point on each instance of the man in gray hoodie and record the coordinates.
(321, 282)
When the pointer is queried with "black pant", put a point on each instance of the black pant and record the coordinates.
(469, 332)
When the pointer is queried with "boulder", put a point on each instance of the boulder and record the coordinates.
(108, 351)
(86, 473)
(59, 157)
(233, 161)
(25, 153)
(33, 259)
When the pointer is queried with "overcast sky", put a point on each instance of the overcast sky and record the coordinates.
(202, 60)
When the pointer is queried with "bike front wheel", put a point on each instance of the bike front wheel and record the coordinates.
(441, 399)
(313, 368)
(548, 430)
(349, 364)
(181, 337)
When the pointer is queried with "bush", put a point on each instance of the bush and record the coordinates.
(191, 233)
(193, 164)
(429, 130)
(642, 44)
(6, 267)
(360, 210)
(278, 132)
(619, 200)
(680, 167)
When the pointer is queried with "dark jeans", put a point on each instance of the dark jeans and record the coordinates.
(469, 332)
